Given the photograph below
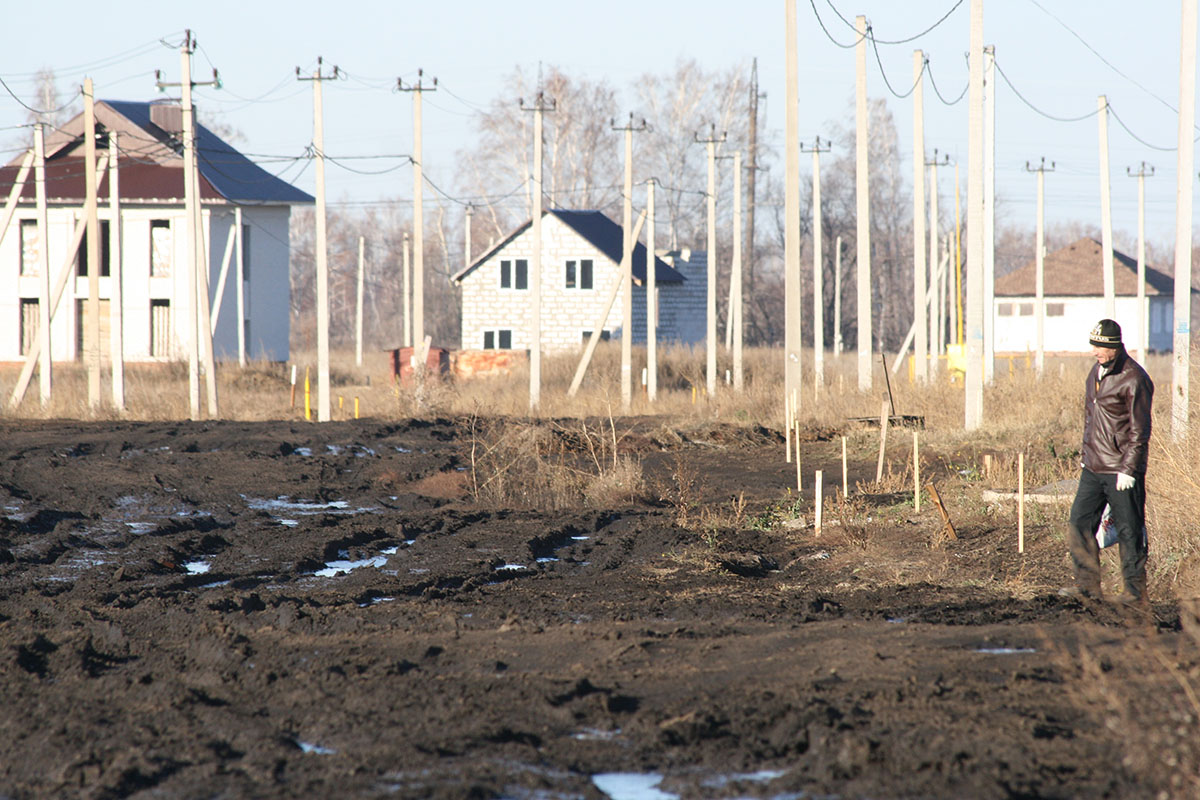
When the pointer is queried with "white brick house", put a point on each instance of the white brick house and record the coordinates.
(581, 255)
(153, 242)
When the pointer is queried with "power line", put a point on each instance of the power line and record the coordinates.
(1121, 122)
(1045, 114)
(938, 92)
(888, 83)
(906, 40)
(38, 111)
(829, 35)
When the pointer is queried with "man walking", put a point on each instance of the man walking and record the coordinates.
(1116, 437)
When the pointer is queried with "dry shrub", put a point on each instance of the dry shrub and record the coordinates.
(1173, 510)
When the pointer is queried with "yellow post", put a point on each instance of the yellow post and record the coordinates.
(1020, 502)
(341, 402)
(307, 396)
(356, 407)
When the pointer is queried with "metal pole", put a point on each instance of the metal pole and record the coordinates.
(975, 242)
(92, 332)
(1183, 221)
(1106, 254)
(989, 213)
(920, 340)
(863, 194)
(358, 306)
(791, 205)
(45, 369)
(115, 316)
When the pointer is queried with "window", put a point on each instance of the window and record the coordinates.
(497, 340)
(579, 274)
(1055, 309)
(160, 328)
(30, 322)
(1026, 309)
(160, 248)
(1006, 309)
(81, 265)
(514, 274)
(604, 336)
(29, 247)
(85, 348)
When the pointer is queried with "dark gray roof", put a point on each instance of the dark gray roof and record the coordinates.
(234, 176)
(604, 234)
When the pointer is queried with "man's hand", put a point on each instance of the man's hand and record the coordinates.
(1124, 481)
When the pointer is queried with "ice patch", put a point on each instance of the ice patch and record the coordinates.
(546, 560)
(291, 523)
(196, 567)
(374, 601)
(580, 538)
(509, 567)
(596, 735)
(316, 749)
(631, 786)
(761, 776)
(141, 527)
(285, 503)
(333, 568)
(389, 551)
(1004, 651)
(400, 449)
(302, 451)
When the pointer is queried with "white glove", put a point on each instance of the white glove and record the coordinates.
(1124, 481)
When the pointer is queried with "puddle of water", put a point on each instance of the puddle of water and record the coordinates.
(291, 523)
(402, 449)
(141, 527)
(896, 620)
(581, 538)
(509, 567)
(196, 567)
(284, 503)
(333, 568)
(389, 551)
(596, 735)
(761, 776)
(303, 451)
(1003, 651)
(217, 584)
(631, 786)
(316, 749)
(374, 601)
(546, 560)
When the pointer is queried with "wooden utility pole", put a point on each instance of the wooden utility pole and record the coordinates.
(975, 162)
(323, 405)
(1106, 240)
(791, 209)
(627, 273)
(115, 316)
(1039, 308)
(358, 305)
(920, 340)
(734, 323)
(752, 166)
(539, 108)
(418, 283)
(406, 292)
(1185, 166)
(818, 266)
(91, 335)
(239, 244)
(45, 379)
(1143, 329)
(651, 299)
(710, 337)
(989, 213)
(863, 195)
(837, 298)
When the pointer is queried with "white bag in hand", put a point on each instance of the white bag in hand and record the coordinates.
(1106, 534)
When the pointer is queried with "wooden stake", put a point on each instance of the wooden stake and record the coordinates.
(916, 473)
(947, 525)
(845, 488)
(883, 428)
(987, 465)
(817, 502)
(799, 475)
(787, 426)
(1020, 502)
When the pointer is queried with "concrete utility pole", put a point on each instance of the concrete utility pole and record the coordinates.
(468, 216)
(539, 108)
(627, 273)
(323, 406)
(406, 292)
(1110, 298)
(45, 379)
(418, 90)
(989, 213)
(191, 204)
(92, 331)
(975, 157)
(752, 165)
(710, 336)
(937, 322)
(735, 277)
(1143, 329)
(116, 330)
(1185, 164)
(920, 340)
(239, 244)
(1039, 309)
(818, 266)
(863, 194)
(837, 298)
(358, 305)
(791, 209)
(651, 300)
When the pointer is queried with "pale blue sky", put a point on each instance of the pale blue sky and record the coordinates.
(472, 45)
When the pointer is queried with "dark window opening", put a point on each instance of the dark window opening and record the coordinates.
(522, 274)
(585, 274)
(570, 284)
(505, 274)
(81, 260)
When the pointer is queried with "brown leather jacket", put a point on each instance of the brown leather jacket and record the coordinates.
(1116, 417)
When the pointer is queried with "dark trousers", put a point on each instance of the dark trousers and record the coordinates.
(1128, 510)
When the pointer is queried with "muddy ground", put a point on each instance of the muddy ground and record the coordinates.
(290, 610)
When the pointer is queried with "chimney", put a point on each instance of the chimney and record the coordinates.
(168, 116)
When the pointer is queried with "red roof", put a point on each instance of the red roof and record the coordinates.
(140, 182)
